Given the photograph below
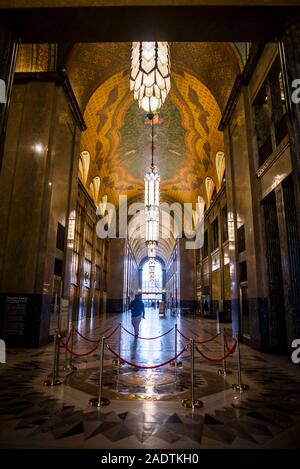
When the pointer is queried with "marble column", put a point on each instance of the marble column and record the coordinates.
(289, 51)
(37, 190)
(232, 232)
(187, 273)
(290, 259)
(116, 275)
(8, 56)
(289, 198)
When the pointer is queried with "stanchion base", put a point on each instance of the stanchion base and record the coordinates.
(117, 362)
(69, 368)
(189, 403)
(51, 382)
(224, 372)
(240, 387)
(176, 364)
(94, 402)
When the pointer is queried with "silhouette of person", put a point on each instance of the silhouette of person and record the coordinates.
(137, 311)
(205, 308)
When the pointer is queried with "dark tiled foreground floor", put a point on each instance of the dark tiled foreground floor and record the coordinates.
(268, 415)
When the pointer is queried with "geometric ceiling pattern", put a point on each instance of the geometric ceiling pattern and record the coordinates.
(118, 135)
(215, 64)
(186, 139)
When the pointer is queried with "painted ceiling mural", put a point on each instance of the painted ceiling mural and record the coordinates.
(215, 64)
(186, 139)
(118, 135)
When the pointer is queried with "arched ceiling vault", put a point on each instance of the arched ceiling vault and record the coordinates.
(136, 237)
(187, 139)
(215, 64)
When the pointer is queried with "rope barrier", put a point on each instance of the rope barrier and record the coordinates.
(68, 339)
(147, 338)
(113, 332)
(182, 335)
(230, 352)
(87, 338)
(76, 354)
(65, 345)
(226, 342)
(144, 367)
(207, 340)
(96, 341)
(210, 339)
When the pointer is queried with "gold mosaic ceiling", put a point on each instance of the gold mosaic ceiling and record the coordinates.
(118, 135)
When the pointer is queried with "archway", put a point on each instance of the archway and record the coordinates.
(152, 291)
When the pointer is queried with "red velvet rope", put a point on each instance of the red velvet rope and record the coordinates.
(207, 340)
(226, 342)
(96, 341)
(144, 367)
(147, 338)
(231, 351)
(112, 333)
(68, 339)
(86, 338)
(65, 345)
(200, 341)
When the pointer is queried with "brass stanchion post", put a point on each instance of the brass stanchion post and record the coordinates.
(192, 403)
(224, 370)
(116, 361)
(100, 400)
(52, 379)
(176, 362)
(239, 386)
(69, 356)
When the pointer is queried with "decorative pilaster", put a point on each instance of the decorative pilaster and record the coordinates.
(289, 49)
(8, 57)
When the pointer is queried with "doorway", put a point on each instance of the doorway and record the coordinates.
(277, 319)
(152, 291)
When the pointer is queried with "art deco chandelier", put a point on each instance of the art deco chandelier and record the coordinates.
(152, 187)
(150, 74)
(150, 83)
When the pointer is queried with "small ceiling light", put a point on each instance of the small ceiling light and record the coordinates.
(38, 148)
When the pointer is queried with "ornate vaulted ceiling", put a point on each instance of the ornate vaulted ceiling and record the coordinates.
(187, 139)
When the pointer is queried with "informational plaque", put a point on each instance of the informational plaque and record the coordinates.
(15, 309)
(64, 314)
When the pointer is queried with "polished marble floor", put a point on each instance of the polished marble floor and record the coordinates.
(145, 408)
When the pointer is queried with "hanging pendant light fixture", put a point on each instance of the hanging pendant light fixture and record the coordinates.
(151, 249)
(150, 74)
(151, 256)
(152, 270)
(152, 186)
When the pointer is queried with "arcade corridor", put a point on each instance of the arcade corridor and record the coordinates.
(149, 163)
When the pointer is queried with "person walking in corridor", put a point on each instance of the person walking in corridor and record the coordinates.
(137, 311)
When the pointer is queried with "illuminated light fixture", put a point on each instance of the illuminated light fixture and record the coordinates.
(152, 186)
(38, 148)
(150, 74)
(152, 270)
(151, 249)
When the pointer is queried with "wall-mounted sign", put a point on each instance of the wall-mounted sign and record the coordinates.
(64, 314)
(15, 315)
